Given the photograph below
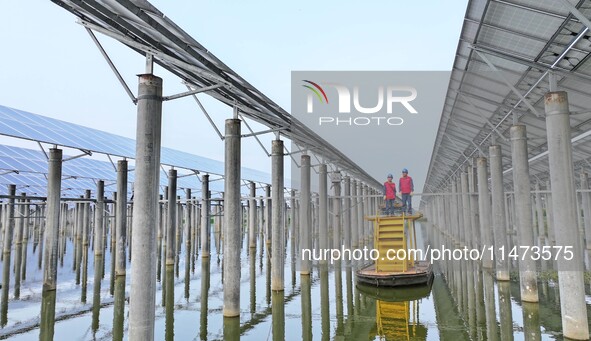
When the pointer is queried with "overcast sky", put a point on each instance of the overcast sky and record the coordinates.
(49, 65)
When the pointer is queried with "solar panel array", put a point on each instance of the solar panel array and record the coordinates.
(29, 126)
(27, 168)
(523, 39)
(80, 173)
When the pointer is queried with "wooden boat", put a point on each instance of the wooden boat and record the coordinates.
(389, 294)
(395, 233)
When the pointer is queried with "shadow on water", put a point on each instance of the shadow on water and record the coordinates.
(463, 302)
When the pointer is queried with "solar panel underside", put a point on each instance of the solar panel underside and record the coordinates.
(81, 173)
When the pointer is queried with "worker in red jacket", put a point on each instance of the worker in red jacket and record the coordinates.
(389, 194)
(406, 188)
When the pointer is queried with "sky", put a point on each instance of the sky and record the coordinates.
(50, 66)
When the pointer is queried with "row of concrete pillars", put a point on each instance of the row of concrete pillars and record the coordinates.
(473, 289)
(475, 216)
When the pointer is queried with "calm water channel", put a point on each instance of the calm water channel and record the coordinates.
(92, 305)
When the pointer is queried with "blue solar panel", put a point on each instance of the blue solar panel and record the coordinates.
(25, 125)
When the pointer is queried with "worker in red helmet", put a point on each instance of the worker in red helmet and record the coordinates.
(406, 188)
(389, 194)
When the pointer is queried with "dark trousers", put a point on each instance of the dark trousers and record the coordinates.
(407, 202)
(389, 206)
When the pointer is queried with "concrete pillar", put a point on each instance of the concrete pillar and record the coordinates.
(466, 209)
(368, 225)
(360, 212)
(474, 215)
(323, 208)
(268, 214)
(9, 224)
(454, 213)
(523, 217)
(86, 219)
(498, 211)
(586, 208)
(19, 236)
(171, 222)
(460, 210)
(550, 215)
(305, 214)
(252, 215)
(232, 223)
(508, 221)
(293, 215)
(121, 218)
(354, 219)
(99, 218)
(346, 213)
(205, 223)
(570, 272)
(26, 234)
(188, 220)
(540, 217)
(145, 206)
(484, 209)
(178, 227)
(52, 214)
(278, 203)
(336, 208)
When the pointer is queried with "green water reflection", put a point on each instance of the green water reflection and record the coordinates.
(463, 302)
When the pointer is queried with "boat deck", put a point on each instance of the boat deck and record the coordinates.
(418, 274)
(419, 268)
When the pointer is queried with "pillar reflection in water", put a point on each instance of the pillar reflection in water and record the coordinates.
(252, 278)
(480, 308)
(338, 282)
(47, 315)
(506, 316)
(119, 308)
(306, 289)
(204, 297)
(489, 306)
(187, 270)
(84, 265)
(531, 321)
(169, 303)
(96, 292)
(278, 318)
(231, 328)
(324, 302)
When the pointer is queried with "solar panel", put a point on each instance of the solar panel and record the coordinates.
(78, 175)
(522, 38)
(29, 126)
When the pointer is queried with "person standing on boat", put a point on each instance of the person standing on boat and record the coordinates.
(406, 188)
(389, 194)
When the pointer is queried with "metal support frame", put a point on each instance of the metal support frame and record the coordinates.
(84, 153)
(43, 150)
(252, 133)
(112, 66)
(191, 92)
(215, 127)
(511, 86)
(263, 132)
(575, 11)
